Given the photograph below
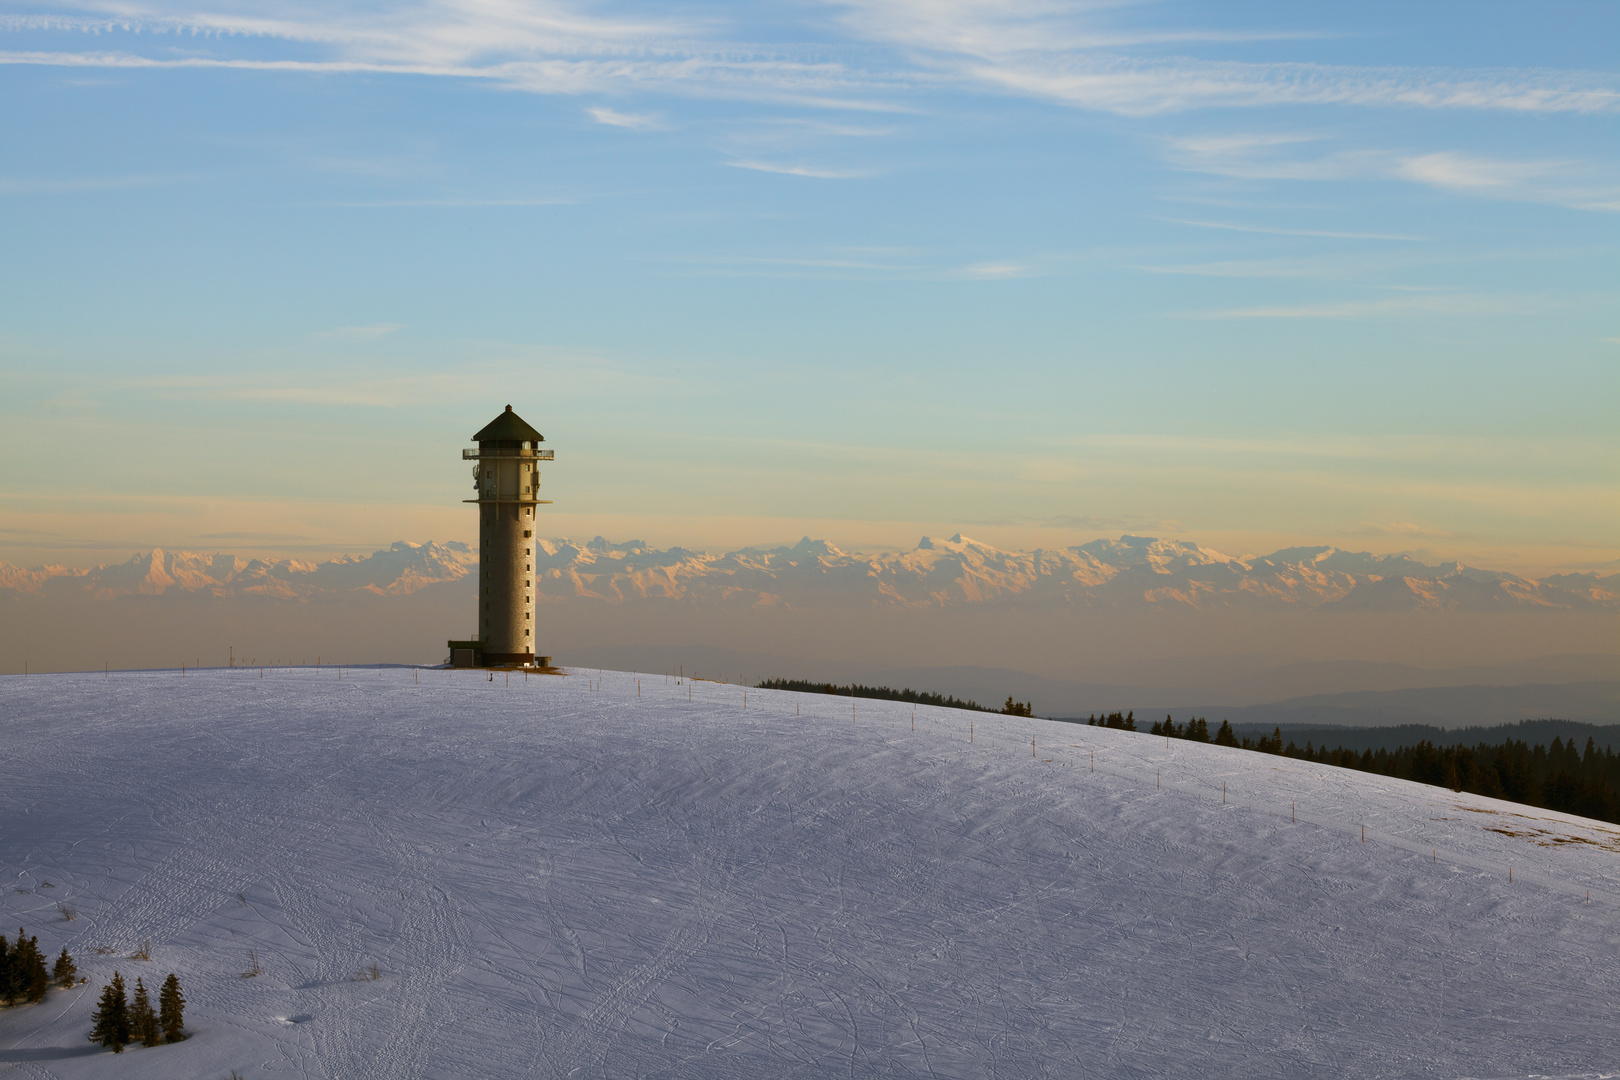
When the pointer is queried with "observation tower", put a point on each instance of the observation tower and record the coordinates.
(507, 478)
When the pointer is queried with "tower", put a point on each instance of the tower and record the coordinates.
(507, 478)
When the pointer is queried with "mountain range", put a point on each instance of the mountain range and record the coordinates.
(1133, 572)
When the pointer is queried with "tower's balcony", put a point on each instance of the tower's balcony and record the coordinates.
(509, 452)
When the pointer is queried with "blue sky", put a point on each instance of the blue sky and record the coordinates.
(1254, 274)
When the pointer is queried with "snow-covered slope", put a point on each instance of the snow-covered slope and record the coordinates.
(558, 878)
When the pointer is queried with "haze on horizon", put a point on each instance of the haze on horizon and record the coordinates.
(1252, 276)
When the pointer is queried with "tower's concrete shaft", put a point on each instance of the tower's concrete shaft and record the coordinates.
(507, 476)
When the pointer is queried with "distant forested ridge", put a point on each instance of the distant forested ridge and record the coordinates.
(1557, 777)
(882, 693)
(1395, 736)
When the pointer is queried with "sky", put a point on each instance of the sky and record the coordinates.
(1249, 274)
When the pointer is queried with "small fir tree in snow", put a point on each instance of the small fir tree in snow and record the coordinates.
(171, 1006)
(143, 1022)
(111, 1017)
(65, 970)
(25, 974)
(1225, 736)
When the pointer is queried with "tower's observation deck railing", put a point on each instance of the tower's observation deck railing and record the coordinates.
(509, 452)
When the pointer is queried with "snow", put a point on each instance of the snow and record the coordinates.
(557, 878)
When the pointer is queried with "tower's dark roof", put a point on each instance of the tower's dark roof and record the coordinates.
(508, 425)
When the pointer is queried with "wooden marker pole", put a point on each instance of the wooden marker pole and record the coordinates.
(1291, 816)
(1364, 834)
(1223, 792)
(1094, 761)
(970, 731)
(1032, 746)
(638, 687)
(1155, 780)
(1510, 875)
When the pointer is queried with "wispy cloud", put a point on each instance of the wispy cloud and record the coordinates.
(1271, 231)
(448, 203)
(305, 389)
(1471, 173)
(869, 263)
(789, 169)
(1400, 528)
(1580, 185)
(1452, 304)
(1055, 50)
(614, 118)
(994, 271)
(1035, 48)
(1567, 183)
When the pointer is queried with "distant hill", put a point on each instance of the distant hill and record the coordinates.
(1436, 706)
(1131, 573)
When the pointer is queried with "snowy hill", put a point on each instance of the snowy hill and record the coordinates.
(1134, 573)
(557, 877)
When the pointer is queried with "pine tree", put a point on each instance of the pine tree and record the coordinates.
(1225, 736)
(111, 1016)
(26, 975)
(7, 994)
(171, 1006)
(65, 970)
(143, 1022)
